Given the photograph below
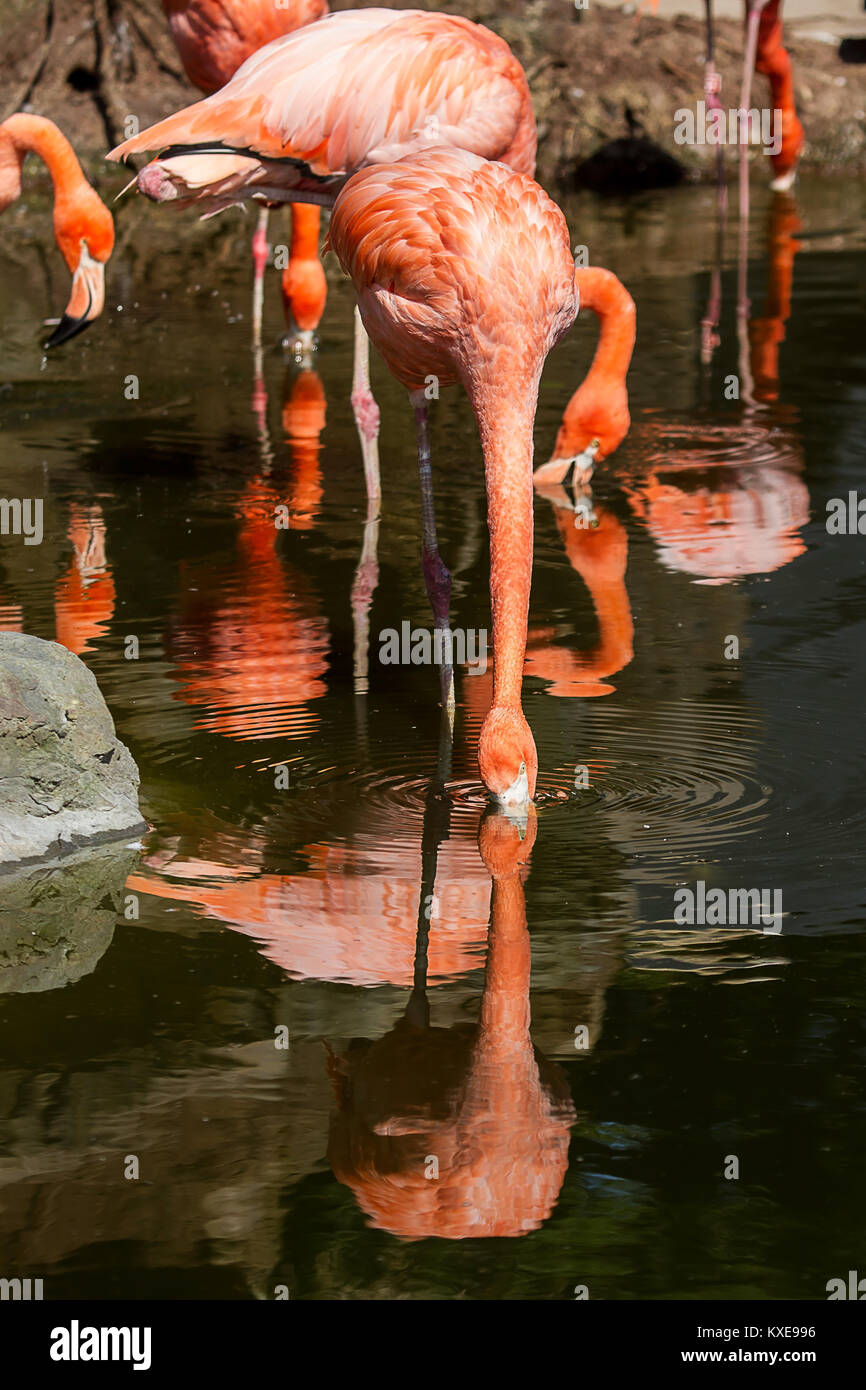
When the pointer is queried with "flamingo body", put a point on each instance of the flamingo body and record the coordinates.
(463, 272)
(360, 87)
(214, 37)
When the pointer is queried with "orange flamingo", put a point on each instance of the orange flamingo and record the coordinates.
(596, 419)
(766, 52)
(446, 252)
(83, 226)
(311, 108)
(213, 38)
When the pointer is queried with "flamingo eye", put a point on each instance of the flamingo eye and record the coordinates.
(522, 770)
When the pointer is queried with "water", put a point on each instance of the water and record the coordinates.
(348, 912)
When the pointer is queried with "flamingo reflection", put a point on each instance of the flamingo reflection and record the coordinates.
(599, 554)
(248, 645)
(85, 596)
(460, 1132)
(351, 914)
(724, 501)
(11, 615)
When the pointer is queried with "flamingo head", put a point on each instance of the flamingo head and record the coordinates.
(786, 161)
(212, 179)
(507, 759)
(84, 229)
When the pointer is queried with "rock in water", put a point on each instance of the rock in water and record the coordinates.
(65, 777)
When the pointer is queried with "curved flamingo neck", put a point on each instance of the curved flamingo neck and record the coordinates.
(34, 134)
(610, 301)
(505, 411)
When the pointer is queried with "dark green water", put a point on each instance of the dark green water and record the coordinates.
(253, 907)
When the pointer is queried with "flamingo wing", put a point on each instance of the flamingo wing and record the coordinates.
(364, 86)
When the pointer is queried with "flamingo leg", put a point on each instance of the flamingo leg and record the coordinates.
(753, 20)
(712, 87)
(260, 260)
(436, 575)
(367, 574)
(366, 412)
(363, 589)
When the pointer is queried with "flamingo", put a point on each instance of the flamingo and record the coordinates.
(310, 109)
(83, 226)
(766, 53)
(596, 419)
(463, 272)
(213, 38)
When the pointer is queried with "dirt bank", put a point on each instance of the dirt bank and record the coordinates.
(89, 64)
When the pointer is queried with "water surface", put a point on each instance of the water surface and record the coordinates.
(314, 871)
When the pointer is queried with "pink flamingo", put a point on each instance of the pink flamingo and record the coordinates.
(83, 226)
(213, 38)
(307, 111)
(463, 273)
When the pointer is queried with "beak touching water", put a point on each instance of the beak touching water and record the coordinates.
(86, 301)
(516, 797)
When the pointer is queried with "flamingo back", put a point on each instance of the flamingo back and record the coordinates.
(365, 86)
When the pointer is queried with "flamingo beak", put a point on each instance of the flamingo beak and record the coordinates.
(85, 302)
(582, 465)
(576, 469)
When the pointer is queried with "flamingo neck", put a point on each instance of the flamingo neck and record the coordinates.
(505, 411)
(306, 218)
(772, 59)
(34, 134)
(610, 301)
(503, 1080)
(505, 1014)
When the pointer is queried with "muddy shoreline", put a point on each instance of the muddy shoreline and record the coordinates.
(90, 64)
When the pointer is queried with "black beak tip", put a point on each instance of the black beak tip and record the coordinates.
(67, 328)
